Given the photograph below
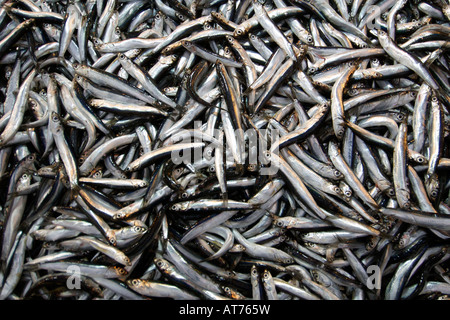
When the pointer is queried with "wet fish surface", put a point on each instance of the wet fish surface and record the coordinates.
(224, 149)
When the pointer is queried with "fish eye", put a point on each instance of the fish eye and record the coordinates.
(371, 244)
(160, 263)
(135, 282)
(209, 152)
(121, 271)
(352, 92)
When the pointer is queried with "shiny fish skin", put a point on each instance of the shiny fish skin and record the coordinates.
(399, 168)
(410, 61)
(161, 290)
(224, 150)
(277, 36)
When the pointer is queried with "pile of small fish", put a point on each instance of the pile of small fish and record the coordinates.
(224, 149)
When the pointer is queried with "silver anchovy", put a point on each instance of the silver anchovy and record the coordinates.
(224, 150)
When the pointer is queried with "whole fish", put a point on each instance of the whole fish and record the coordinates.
(224, 150)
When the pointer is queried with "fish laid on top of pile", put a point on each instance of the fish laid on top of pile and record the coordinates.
(224, 149)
